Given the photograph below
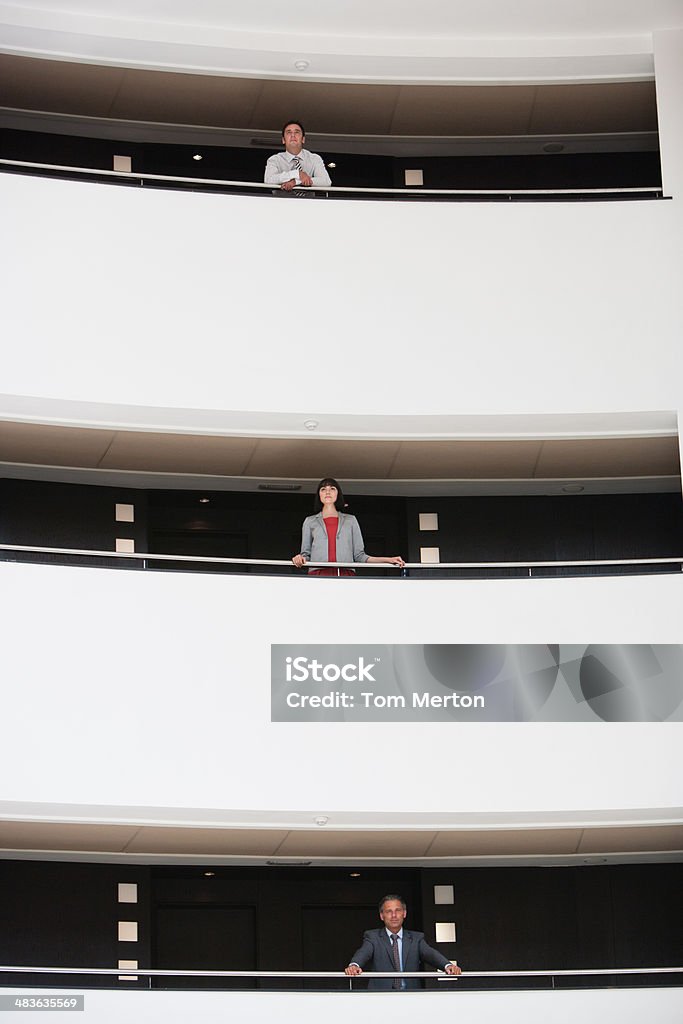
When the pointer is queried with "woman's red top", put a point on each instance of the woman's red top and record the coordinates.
(331, 524)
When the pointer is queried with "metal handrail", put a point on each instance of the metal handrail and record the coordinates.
(160, 973)
(261, 186)
(154, 557)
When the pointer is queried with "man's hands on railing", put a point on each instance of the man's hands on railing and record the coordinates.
(299, 560)
(304, 179)
(353, 970)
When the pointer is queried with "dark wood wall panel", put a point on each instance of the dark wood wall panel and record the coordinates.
(205, 937)
(66, 915)
(262, 525)
(563, 528)
(68, 516)
(608, 916)
(578, 170)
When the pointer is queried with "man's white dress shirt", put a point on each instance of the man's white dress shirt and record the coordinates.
(280, 168)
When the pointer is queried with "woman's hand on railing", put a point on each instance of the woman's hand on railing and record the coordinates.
(387, 560)
(299, 561)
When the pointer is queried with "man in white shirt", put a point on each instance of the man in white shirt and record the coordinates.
(296, 169)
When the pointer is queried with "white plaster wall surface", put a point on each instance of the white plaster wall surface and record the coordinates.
(98, 664)
(669, 82)
(149, 298)
(628, 1006)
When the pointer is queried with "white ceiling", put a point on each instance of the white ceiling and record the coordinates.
(383, 18)
(161, 106)
(386, 40)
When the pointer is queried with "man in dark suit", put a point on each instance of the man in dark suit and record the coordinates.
(394, 948)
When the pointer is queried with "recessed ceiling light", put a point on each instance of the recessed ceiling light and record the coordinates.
(204, 501)
(573, 488)
(321, 820)
(553, 147)
(197, 156)
(311, 424)
(301, 65)
(354, 874)
(332, 165)
(209, 874)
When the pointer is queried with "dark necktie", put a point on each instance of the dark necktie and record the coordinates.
(396, 958)
(297, 166)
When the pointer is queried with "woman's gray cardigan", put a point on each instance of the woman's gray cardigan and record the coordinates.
(350, 547)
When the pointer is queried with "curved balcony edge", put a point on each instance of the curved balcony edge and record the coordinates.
(229, 186)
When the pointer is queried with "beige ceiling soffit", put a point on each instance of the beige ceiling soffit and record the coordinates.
(515, 63)
(631, 840)
(504, 842)
(230, 845)
(390, 119)
(171, 133)
(301, 461)
(140, 479)
(207, 842)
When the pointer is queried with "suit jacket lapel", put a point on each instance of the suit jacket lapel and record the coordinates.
(386, 946)
(408, 951)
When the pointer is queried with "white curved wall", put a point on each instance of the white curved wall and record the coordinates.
(191, 301)
(562, 1007)
(144, 689)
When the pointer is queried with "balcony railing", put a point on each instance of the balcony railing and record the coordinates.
(419, 193)
(150, 974)
(148, 560)
(592, 997)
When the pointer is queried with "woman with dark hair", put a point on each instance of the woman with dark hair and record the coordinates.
(332, 535)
